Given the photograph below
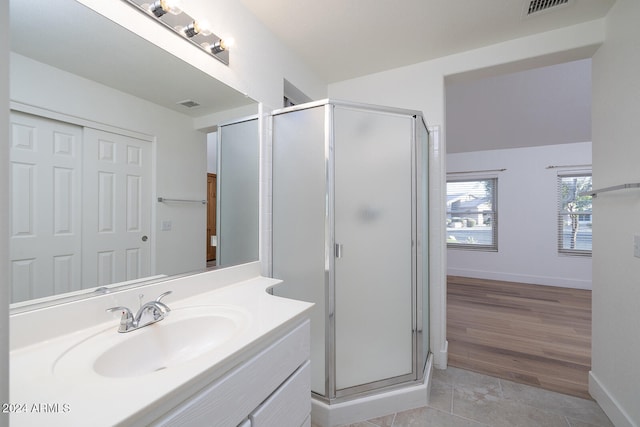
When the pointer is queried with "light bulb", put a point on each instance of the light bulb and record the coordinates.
(229, 42)
(174, 7)
(197, 27)
(219, 46)
(203, 26)
(161, 7)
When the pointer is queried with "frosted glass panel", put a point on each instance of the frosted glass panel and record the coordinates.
(238, 186)
(373, 223)
(299, 197)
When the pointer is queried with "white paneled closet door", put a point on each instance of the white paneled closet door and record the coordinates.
(117, 208)
(45, 207)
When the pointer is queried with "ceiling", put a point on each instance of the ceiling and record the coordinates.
(341, 39)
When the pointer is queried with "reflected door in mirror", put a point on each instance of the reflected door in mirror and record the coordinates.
(211, 216)
(45, 238)
(93, 228)
(117, 197)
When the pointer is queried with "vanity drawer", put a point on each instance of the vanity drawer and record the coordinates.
(288, 406)
(230, 399)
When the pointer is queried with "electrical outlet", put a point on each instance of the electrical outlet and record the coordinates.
(166, 225)
(636, 246)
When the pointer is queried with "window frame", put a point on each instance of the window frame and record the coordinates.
(450, 213)
(561, 214)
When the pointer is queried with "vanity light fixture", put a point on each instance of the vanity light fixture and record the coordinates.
(197, 31)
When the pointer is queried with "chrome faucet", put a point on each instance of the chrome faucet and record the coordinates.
(149, 312)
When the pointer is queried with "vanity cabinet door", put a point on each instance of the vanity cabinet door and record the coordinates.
(288, 406)
(230, 399)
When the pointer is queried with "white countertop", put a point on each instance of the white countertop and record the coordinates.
(42, 395)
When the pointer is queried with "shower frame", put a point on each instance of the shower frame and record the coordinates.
(419, 252)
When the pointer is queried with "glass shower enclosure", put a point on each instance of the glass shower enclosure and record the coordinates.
(349, 233)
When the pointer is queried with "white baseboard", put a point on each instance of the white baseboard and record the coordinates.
(562, 282)
(375, 405)
(441, 358)
(608, 403)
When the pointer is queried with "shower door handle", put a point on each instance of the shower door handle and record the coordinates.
(338, 250)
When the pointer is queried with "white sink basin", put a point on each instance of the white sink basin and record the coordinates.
(186, 334)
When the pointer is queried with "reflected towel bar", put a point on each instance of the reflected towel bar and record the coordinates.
(594, 193)
(480, 171)
(164, 199)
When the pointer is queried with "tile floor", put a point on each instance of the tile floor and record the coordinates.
(462, 398)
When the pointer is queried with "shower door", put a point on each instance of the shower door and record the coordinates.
(374, 258)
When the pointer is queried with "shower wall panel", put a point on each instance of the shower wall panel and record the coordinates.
(299, 214)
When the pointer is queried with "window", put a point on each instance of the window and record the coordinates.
(574, 214)
(472, 217)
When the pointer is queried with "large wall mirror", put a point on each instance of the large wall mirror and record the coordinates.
(103, 124)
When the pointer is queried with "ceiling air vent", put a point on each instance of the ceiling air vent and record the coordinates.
(189, 103)
(534, 7)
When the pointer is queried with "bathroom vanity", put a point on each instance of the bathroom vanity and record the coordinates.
(228, 354)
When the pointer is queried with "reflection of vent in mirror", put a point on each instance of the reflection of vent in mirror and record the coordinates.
(534, 7)
(189, 103)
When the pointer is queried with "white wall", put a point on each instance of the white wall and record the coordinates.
(615, 374)
(540, 106)
(180, 151)
(421, 87)
(527, 220)
(212, 152)
(4, 217)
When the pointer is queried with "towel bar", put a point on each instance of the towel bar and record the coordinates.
(164, 199)
(594, 193)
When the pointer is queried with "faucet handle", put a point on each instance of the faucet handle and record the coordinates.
(163, 295)
(125, 311)
(126, 320)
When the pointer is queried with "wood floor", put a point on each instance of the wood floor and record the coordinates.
(531, 334)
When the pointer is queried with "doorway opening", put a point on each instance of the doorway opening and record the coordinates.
(522, 129)
(212, 170)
